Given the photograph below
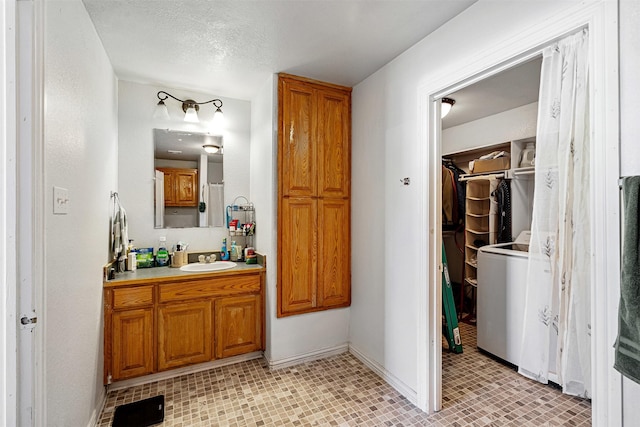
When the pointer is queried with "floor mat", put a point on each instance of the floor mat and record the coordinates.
(143, 413)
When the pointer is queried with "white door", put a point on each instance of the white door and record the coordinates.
(159, 200)
(29, 206)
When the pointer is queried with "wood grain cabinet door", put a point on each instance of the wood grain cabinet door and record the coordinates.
(297, 141)
(132, 336)
(333, 140)
(334, 253)
(184, 334)
(186, 187)
(169, 186)
(238, 325)
(298, 253)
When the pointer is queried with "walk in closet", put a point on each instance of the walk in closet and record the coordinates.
(497, 207)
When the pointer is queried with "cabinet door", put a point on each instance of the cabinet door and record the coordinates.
(132, 343)
(297, 112)
(186, 183)
(169, 187)
(184, 334)
(333, 139)
(298, 253)
(334, 260)
(238, 325)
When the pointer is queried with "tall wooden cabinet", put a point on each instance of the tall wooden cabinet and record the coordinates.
(314, 190)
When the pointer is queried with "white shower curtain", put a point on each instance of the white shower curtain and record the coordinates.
(215, 205)
(557, 330)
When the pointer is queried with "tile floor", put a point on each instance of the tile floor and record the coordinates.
(341, 391)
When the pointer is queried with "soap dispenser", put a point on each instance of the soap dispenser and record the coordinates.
(224, 253)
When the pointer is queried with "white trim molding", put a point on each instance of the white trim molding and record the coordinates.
(307, 357)
(387, 376)
(601, 19)
(173, 373)
(8, 204)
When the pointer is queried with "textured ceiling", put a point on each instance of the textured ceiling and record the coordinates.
(229, 48)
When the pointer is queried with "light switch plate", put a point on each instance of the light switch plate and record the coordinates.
(60, 201)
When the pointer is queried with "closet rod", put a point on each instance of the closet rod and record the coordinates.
(481, 176)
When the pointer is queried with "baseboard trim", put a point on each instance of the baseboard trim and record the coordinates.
(97, 412)
(392, 380)
(308, 357)
(118, 385)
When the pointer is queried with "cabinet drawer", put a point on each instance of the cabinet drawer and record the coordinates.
(132, 297)
(210, 288)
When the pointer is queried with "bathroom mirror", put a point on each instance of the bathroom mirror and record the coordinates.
(189, 189)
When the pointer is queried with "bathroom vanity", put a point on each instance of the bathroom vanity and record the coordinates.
(163, 318)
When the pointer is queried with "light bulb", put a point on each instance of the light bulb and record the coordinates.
(161, 112)
(191, 115)
(211, 149)
(445, 106)
(217, 125)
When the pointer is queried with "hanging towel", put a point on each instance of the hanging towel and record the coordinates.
(627, 347)
(119, 229)
(216, 205)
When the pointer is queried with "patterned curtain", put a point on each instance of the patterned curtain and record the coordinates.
(557, 330)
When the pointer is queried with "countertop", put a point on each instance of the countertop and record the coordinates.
(170, 274)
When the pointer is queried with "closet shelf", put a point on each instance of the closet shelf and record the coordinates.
(482, 215)
(478, 231)
(472, 282)
(472, 264)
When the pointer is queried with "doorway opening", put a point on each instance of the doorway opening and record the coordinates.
(604, 192)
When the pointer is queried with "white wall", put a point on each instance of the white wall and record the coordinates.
(135, 159)
(386, 129)
(518, 123)
(629, 146)
(291, 337)
(80, 155)
(264, 189)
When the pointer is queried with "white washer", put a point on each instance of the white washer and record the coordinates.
(502, 271)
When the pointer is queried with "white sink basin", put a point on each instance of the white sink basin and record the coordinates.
(214, 266)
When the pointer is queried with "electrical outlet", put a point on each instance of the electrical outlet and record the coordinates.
(60, 201)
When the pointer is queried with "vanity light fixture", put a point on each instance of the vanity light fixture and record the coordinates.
(190, 108)
(445, 106)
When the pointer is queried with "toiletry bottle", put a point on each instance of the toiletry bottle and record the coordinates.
(162, 257)
(224, 253)
(234, 251)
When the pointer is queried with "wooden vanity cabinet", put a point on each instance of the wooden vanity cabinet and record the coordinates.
(180, 187)
(184, 334)
(238, 325)
(131, 330)
(173, 322)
